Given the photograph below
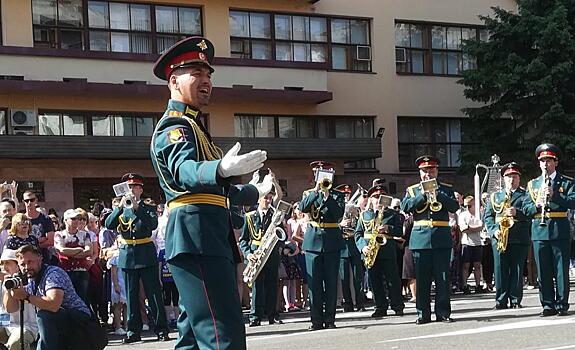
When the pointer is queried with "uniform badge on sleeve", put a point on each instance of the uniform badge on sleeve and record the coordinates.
(176, 135)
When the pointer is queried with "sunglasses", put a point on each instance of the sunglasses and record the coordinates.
(396, 208)
(29, 200)
(75, 219)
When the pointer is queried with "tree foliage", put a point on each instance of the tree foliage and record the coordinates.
(524, 84)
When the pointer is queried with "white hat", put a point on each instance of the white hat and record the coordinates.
(8, 254)
(70, 213)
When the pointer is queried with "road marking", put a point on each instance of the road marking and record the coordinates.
(561, 347)
(503, 327)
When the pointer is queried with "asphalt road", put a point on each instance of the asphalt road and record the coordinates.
(477, 326)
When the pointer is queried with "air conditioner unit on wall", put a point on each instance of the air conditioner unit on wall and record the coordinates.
(23, 118)
(363, 53)
(26, 130)
(400, 55)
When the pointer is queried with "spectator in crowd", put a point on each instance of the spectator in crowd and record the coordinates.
(10, 335)
(74, 247)
(42, 227)
(7, 212)
(293, 273)
(9, 191)
(55, 221)
(471, 242)
(60, 311)
(296, 226)
(19, 233)
(108, 248)
(118, 295)
(96, 281)
(408, 272)
(169, 290)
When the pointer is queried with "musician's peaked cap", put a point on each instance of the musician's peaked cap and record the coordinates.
(321, 164)
(427, 162)
(133, 179)
(511, 168)
(547, 150)
(345, 188)
(376, 190)
(191, 51)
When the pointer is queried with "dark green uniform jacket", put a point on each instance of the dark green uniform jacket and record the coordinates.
(329, 211)
(253, 232)
(365, 225)
(519, 232)
(427, 237)
(563, 199)
(135, 224)
(186, 162)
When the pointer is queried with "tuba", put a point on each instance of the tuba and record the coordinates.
(377, 239)
(429, 187)
(505, 224)
(272, 235)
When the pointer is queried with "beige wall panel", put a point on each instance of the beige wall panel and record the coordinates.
(103, 71)
(17, 23)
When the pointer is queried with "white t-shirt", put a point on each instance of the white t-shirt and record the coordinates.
(30, 322)
(464, 220)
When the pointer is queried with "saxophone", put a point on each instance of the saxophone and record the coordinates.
(377, 240)
(272, 235)
(505, 224)
(545, 205)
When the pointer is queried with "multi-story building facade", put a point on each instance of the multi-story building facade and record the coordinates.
(368, 84)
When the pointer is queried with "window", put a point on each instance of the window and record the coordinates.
(434, 49)
(441, 137)
(303, 126)
(284, 37)
(3, 123)
(112, 26)
(58, 23)
(83, 123)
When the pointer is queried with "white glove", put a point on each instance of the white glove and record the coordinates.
(234, 165)
(265, 186)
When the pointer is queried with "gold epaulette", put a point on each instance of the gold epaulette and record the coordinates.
(446, 184)
(306, 192)
(567, 177)
(251, 213)
(173, 113)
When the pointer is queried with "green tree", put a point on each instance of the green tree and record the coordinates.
(524, 84)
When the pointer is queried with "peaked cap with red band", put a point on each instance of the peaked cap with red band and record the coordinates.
(510, 169)
(547, 150)
(345, 188)
(185, 53)
(133, 179)
(427, 162)
(321, 164)
(376, 190)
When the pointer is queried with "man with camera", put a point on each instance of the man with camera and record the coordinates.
(10, 335)
(60, 312)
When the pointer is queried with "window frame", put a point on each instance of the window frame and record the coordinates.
(6, 118)
(328, 43)
(427, 46)
(88, 122)
(86, 29)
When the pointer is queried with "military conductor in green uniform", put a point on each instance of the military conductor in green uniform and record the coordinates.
(197, 181)
(430, 203)
(134, 219)
(322, 244)
(549, 198)
(509, 252)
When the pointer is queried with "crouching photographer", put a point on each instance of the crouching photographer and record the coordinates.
(64, 320)
(17, 335)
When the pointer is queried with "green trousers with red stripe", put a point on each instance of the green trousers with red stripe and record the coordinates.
(211, 314)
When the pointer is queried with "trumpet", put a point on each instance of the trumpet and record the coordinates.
(429, 187)
(325, 184)
(127, 201)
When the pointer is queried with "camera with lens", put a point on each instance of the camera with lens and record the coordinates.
(16, 281)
